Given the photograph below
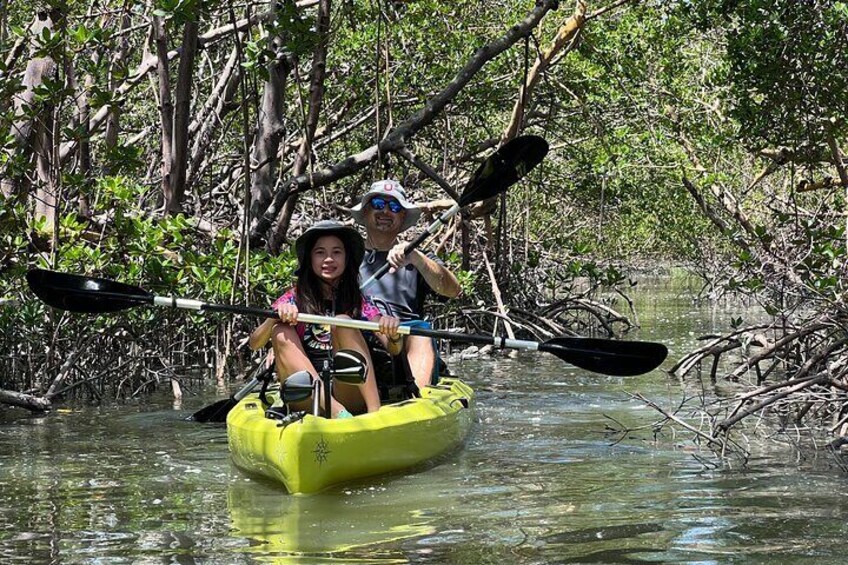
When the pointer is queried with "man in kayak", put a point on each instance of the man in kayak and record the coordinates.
(385, 212)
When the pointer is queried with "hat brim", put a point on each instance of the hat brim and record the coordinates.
(350, 237)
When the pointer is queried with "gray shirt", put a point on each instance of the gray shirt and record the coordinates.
(400, 294)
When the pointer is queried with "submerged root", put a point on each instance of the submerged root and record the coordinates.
(776, 382)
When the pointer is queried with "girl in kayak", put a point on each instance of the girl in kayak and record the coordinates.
(328, 254)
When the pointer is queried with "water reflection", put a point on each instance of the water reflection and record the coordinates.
(333, 526)
(603, 533)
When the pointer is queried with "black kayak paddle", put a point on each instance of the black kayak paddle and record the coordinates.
(498, 172)
(79, 293)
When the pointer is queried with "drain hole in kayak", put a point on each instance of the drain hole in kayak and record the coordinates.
(461, 400)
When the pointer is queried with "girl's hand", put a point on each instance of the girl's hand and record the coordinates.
(287, 313)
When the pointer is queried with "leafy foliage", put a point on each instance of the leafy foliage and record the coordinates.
(783, 68)
(658, 115)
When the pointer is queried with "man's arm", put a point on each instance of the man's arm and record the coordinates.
(437, 276)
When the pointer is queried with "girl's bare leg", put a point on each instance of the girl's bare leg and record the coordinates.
(289, 358)
(359, 398)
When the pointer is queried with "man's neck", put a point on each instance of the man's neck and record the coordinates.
(380, 241)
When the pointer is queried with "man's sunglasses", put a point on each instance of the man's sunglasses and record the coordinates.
(379, 203)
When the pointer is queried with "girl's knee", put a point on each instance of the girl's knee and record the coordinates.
(348, 338)
(339, 330)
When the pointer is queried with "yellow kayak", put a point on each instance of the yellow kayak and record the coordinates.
(313, 453)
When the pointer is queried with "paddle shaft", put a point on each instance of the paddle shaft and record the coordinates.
(191, 304)
(425, 332)
(251, 384)
(603, 356)
(431, 229)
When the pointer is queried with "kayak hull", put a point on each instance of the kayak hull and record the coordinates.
(314, 453)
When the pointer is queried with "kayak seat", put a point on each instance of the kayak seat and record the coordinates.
(394, 380)
(394, 376)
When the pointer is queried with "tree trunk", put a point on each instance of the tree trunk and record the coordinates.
(3, 18)
(836, 154)
(269, 129)
(565, 37)
(182, 118)
(46, 197)
(316, 99)
(28, 401)
(12, 184)
(117, 65)
(166, 114)
(81, 125)
(211, 116)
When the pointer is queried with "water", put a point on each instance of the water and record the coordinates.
(542, 479)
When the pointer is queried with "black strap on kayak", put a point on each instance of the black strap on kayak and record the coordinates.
(266, 377)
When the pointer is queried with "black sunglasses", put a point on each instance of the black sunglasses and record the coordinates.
(379, 203)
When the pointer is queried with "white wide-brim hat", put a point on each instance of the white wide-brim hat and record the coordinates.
(389, 188)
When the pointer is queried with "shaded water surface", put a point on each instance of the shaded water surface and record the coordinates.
(541, 480)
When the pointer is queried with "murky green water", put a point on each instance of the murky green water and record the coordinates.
(540, 481)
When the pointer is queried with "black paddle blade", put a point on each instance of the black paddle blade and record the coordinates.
(214, 413)
(217, 411)
(84, 294)
(607, 356)
(504, 168)
(297, 386)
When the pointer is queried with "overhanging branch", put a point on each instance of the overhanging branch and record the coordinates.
(396, 138)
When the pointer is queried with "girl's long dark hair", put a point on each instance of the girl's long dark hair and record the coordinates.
(309, 295)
